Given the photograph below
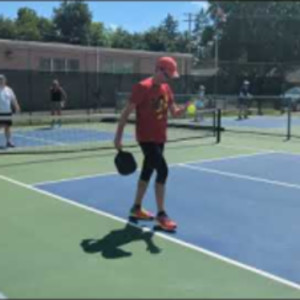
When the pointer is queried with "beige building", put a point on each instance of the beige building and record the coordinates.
(56, 57)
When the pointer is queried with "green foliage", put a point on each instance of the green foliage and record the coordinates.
(98, 35)
(259, 31)
(27, 25)
(73, 21)
(182, 43)
(138, 41)
(8, 28)
(154, 39)
(47, 30)
(202, 34)
(166, 37)
(169, 27)
(121, 38)
(170, 33)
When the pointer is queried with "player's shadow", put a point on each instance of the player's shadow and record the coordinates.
(110, 245)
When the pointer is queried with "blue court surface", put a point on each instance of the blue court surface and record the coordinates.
(245, 208)
(260, 121)
(59, 136)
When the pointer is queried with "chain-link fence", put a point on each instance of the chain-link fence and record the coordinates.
(86, 91)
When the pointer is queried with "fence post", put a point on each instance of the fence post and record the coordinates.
(218, 126)
(289, 117)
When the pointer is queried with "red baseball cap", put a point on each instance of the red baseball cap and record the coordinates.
(169, 65)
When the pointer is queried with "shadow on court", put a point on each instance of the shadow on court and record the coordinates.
(110, 245)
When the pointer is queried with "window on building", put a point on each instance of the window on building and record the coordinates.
(73, 65)
(107, 66)
(45, 64)
(124, 67)
(111, 66)
(59, 64)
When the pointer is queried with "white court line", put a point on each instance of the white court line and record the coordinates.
(49, 141)
(171, 165)
(162, 235)
(2, 296)
(258, 149)
(75, 178)
(241, 176)
(226, 157)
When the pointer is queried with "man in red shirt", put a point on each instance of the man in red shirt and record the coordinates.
(152, 98)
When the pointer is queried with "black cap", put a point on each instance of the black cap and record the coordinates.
(125, 163)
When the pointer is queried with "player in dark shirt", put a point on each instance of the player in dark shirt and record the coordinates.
(58, 98)
(244, 101)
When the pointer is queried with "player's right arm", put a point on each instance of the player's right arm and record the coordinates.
(129, 108)
(137, 96)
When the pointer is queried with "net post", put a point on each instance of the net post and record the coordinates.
(218, 125)
(215, 129)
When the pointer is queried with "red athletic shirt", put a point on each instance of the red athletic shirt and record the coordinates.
(152, 104)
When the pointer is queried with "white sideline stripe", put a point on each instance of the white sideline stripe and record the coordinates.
(2, 296)
(164, 236)
(75, 178)
(241, 176)
(244, 148)
(226, 157)
(49, 141)
(171, 165)
(280, 151)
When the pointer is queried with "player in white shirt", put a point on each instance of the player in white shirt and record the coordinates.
(8, 102)
(200, 104)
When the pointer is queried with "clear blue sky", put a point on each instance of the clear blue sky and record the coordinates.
(134, 16)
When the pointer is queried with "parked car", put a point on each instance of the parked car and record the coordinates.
(294, 95)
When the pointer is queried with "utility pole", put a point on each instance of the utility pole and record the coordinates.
(190, 19)
(220, 18)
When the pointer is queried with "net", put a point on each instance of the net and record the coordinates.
(122, 98)
(266, 114)
(257, 104)
(37, 134)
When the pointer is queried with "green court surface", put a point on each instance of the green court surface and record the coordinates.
(42, 236)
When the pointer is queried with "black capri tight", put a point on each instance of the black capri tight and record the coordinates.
(154, 160)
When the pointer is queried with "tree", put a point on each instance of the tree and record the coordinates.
(27, 25)
(170, 27)
(121, 38)
(138, 41)
(154, 40)
(169, 33)
(8, 28)
(182, 42)
(202, 33)
(99, 36)
(259, 31)
(165, 37)
(73, 21)
(47, 30)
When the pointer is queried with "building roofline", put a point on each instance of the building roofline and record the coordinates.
(90, 48)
